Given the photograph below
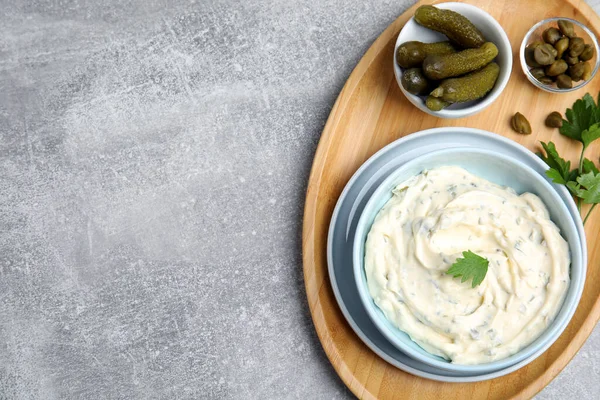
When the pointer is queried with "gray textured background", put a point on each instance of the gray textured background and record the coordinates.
(154, 159)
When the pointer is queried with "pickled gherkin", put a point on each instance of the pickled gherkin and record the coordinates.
(472, 86)
(435, 103)
(414, 81)
(438, 67)
(412, 54)
(458, 28)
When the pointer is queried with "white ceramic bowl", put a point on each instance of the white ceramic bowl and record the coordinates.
(502, 170)
(492, 31)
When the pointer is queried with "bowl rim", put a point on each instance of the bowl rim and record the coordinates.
(570, 303)
(526, 40)
(480, 104)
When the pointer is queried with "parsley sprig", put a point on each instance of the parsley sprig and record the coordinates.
(471, 266)
(582, 124)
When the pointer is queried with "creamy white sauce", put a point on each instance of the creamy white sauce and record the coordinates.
(420, 232)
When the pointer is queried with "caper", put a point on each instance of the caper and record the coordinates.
(564, 81)
(587, 53)
(554, 120)
(529, 57)
(520, 124)
(576, 47)
(576, 71)
(556, 68)
(561, 46)
(546, 80)
(567, 28)
(587, 71)
(544, 54)
(537, 72)
(551, 35)
(570, 60)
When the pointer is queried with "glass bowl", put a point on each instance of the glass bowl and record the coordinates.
(535, 33)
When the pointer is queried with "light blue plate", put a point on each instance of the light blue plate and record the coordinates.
(350, 205)
(502, 170)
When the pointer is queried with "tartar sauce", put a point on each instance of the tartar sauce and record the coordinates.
(420, 232)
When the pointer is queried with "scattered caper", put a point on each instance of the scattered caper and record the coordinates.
(564, 81)
(576, 71)
(520, 124)
(551, 35)
(556, 68)
(561, 46)
(554, 120)
(567, 28)
(587, 53)
(544, 54)
(537, 72)
(576, 47)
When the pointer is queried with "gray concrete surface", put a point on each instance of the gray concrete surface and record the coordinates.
(154, 157)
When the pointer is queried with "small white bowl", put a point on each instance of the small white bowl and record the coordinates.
(492, 31)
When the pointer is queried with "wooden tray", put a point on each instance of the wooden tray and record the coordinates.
(371, 112)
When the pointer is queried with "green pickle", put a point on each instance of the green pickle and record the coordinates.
(435, 104)
(472, 86)
(458, 28)
(414, 81)
(438, 67)
(412, 54)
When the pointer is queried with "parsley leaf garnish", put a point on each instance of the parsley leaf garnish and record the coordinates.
(582, 124)
(589, 187)
(471, 266)
(581, 117)
(560, 169)
(588, 166)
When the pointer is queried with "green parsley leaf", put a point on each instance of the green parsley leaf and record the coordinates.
(582, 116)
(471, 266)
(575, 188)
(590, 183)
(590, 134)
(588, 166)
(560, 169)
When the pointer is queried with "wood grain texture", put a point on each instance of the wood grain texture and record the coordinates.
(371, 112)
